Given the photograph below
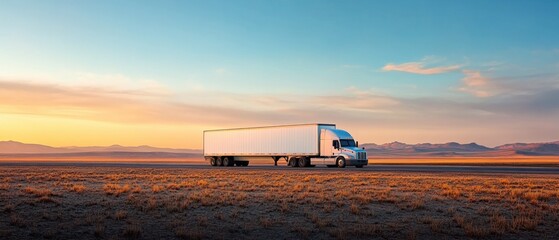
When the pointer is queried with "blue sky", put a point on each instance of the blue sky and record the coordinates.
(468, 65)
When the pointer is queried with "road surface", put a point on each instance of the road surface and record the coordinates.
(370, 168)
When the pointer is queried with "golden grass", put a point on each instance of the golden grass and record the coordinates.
(157, 188)
(245, 203)
(115, 189)
(78, 188)
(38, 192)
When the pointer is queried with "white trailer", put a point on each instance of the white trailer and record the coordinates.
(301, 145)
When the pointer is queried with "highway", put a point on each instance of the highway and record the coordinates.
(370, 168)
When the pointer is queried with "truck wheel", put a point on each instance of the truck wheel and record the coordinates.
(340, 162)
(359, 166)
(293, 162)
(219, 161)
(304, 162)
(213, 161)
(227, 161)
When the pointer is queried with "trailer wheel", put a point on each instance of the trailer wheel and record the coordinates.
(213, 161)
(293, 162)
(227, 161)
(219, 161)
(340, 162)
(304, 162)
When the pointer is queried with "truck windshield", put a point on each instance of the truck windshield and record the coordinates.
(347, 142)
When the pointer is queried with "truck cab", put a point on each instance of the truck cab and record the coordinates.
(338, 148)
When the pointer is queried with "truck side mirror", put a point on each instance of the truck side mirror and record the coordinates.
(356, 143)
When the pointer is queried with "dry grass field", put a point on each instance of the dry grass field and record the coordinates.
(146, 203)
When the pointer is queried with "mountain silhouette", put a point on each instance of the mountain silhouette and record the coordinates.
(457, 149)
(17, 148)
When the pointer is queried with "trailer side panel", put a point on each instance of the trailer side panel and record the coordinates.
(265, 141)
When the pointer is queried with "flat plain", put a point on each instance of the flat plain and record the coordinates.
(169, 203)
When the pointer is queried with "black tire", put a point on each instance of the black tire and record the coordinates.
(228, 161)
(245, 164)
(213, 161)
(293, 162)
(219, 161)
(359, 166)
(340, 162)
(303, 162)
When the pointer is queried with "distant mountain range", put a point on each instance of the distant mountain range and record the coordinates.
(394, 149)
(398, 149)
(13, 148)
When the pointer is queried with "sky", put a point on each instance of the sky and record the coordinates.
(81, 73)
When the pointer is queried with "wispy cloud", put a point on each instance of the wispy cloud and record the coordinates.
(99, 103)
(420, 67)
(357, 99)
(477, 85)
(117, 83)
(108, 105)
(494, 66)
(81, 102)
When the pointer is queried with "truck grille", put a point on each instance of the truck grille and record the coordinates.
(361, 155)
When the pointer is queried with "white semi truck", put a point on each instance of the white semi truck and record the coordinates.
(301, 145)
